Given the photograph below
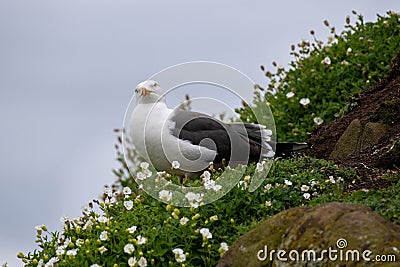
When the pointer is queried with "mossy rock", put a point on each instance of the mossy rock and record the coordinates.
(358, 138)
(343, 227)
(348, 143)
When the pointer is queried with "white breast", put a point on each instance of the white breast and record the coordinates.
(150, 133)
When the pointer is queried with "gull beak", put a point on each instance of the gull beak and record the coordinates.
(145, 91)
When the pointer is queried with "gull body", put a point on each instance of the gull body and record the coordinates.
(162, 135)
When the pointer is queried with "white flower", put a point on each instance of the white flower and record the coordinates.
(132, 229)
(141, 240)
(72, 252)
(209, 184)
(142, 262)
(107, 191)
(102, 219)
(194, 205)
(205, 232)
(126, 191)
(88, 225)
(214, 218)
(111, 200)
(104, 236)
(183, 220)
(179, 255)
(304, 101)
(79, 242)
(318, 120)
(175, 164)
(95, 265)
(268, 187)
(129, 248)
(132, 261)
(224, 246)
(52, 261)
(349, 50)
(148, 173)
(305, 188)
(345, 63)
(332, 180)
(102, 249)
(67, 242)
(64, 219)
(326, 61)
(268, 203)
(206, 175)
(41, 227)
(165, 195)
(86, 210)
(128, 204)
(60, 251)
(260, 166)
(217, 187)
(287, 182)
(191, 197)
(141, 176)
(198, 197)
(177, 251)
(290, 95)
(144, 165)
(161, 174)
(306, 195)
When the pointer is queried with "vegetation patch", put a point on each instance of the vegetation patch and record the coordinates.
(130, 228)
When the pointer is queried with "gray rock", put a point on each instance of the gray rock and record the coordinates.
(358, 138)
(345, 229)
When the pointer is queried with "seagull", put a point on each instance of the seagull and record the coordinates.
(186, 143)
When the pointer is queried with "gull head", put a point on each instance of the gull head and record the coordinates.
(149, 91)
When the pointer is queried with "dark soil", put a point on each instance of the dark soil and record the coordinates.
(380, 103)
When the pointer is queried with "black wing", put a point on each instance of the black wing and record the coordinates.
(201, 129)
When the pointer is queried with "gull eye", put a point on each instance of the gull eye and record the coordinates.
(136, 90)
(155, 84)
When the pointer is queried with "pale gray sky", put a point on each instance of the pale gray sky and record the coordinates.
(67, 73)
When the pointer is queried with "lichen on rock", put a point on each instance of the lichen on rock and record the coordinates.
(344, 227)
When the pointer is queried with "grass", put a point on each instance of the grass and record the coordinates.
(290, 183)
(323, 79)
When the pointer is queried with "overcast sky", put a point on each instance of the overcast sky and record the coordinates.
(67, 74)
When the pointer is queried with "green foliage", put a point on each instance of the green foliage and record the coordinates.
(329, 75)
(130, 228)
(290, 183)
(384, 201)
